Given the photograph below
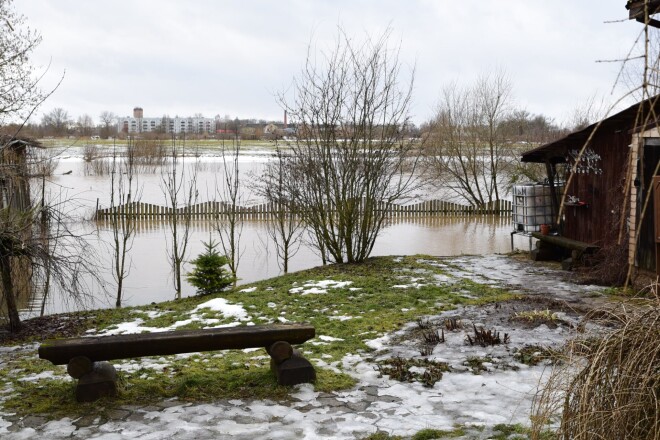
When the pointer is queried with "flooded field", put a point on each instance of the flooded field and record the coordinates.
(150, 278)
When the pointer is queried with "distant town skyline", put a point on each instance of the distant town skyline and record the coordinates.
(235, 58)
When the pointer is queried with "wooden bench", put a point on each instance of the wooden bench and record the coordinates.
(552, 242)
(86, 358)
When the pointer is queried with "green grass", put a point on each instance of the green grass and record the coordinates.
(424, 434)
(375, 308)
(535, 354)
(400, 369)
(430, 434)
(190, 143)
(381, 436)
(517, 431)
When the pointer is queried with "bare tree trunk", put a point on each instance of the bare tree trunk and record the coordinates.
(123, 191)
(284, 225)
(229, 224)
(181, 193)
(8, 290)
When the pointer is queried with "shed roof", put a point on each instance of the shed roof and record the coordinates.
(15, 142)
(629, 120)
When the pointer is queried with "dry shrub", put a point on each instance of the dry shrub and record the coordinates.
(608, 387)
(608, 266)
(99, 166)
(41, 163)
(146, 156)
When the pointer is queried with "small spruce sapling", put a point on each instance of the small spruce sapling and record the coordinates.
(209, 274)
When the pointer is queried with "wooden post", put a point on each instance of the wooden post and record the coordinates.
(294, 370)
(656, 221)
(550, 169)
(280, 351)
(79, 366)
(100, 382)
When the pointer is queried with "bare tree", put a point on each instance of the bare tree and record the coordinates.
(108, 122)
(85, 125)
(19, 94)
(285, 226)
(37, 244)
(467, 151)
(586, 113)
(29, 227)
(179, 187)
(350, 158)
(125, 191)
(229, 224)
(56, 121)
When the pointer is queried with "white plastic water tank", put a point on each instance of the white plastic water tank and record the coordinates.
(532, 206)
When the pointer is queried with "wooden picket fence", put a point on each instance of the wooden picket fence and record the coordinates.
(213, 209)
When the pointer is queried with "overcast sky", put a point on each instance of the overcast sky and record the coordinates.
(232, 57)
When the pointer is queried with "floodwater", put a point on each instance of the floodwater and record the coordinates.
(150, 278)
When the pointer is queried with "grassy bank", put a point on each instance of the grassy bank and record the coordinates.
(347, 304)
(191, 143)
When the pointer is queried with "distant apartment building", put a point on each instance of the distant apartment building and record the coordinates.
(139, 124)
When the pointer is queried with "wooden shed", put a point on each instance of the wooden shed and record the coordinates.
(609, 169)
(14, 173)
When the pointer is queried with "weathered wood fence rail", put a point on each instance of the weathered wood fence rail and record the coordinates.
(213, 209)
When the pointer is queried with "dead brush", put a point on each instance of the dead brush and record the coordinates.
(608, 386)
(431, 339)
(453, 324)
(426, 349)
(400, 369)
(424, 323)
(485, 337)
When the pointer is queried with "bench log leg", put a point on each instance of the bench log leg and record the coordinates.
(101, 381)
(294, 370)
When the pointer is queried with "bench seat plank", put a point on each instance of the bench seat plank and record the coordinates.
(104, 348)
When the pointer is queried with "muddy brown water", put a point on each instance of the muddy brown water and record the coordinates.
(150, 281)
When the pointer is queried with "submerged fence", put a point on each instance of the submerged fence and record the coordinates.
(213, 209)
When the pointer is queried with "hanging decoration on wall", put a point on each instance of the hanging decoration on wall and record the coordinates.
(587, 163)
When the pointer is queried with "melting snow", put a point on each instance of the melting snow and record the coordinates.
(319, 287)
(499, 395)
(222, 305)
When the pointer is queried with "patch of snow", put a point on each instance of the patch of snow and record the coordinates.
(222, 305)
(329, 338)
(314, 290)
(344, 318)
(43, 375)
(319, 287)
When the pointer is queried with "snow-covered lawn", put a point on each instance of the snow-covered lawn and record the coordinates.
(481, 387)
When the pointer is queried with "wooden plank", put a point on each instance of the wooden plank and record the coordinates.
(103, 348)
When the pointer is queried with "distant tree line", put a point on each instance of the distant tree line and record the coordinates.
(58, 122)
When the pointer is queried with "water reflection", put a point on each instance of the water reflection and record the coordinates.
(150, 279)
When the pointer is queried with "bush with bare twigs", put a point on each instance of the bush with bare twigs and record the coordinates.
(609, 386)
